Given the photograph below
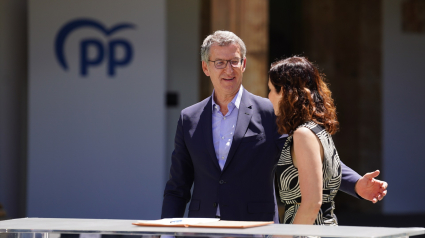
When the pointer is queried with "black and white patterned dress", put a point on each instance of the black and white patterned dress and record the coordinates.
(289, 187)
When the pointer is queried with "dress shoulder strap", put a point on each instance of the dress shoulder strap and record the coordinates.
(316, 128)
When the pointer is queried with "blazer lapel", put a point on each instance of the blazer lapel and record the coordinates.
(244, 117)
(206, 121)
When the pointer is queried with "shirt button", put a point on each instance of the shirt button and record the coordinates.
(222, 157)
(215, 204)
(221, 182)
(224, 118)
(222, 137)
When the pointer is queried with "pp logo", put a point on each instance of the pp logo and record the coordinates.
(110, 50)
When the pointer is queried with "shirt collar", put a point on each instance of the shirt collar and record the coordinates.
(235, 101)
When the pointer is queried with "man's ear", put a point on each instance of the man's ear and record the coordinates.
(243, 65)
(205, 69)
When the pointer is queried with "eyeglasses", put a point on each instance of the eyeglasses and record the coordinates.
(221, 64)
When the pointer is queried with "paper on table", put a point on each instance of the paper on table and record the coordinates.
(232, 224)
(201, 222)
(183, 222)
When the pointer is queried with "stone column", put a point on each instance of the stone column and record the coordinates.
(344, 39)
(249, 20)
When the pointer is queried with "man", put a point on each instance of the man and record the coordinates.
(227, 146)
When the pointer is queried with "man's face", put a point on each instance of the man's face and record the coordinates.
(226, 81)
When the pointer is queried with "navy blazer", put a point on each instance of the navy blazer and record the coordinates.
(244, 189)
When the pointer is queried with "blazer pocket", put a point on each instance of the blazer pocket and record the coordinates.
(261, 207)
(253, 138)
(194, 205)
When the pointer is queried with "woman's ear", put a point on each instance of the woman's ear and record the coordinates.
(281, 91)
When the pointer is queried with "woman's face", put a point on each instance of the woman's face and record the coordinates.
(275, 97)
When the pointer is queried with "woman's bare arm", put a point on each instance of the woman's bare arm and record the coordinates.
(307, 156)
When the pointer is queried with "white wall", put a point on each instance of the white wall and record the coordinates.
(96, 143)
(403, 114)
(183, 60)
(13, 89)
(183, 65)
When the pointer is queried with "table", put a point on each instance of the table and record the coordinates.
(45, 227)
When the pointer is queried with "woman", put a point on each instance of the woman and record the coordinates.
(309, 170)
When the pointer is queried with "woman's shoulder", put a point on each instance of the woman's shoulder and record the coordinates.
(313, 126)
(304, 134)
(308, 132)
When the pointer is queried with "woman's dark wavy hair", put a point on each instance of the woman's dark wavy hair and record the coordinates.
(306, 96)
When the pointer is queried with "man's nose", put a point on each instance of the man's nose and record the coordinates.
(229, 67)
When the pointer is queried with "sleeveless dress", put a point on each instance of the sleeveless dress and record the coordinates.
(287, 178)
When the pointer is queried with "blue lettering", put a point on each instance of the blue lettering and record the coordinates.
(113, 61)
(85, 61)
(89, 44)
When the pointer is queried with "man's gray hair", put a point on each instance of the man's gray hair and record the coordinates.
(221, 38)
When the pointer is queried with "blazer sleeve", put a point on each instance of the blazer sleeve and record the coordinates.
(349, 180)
(177, 190)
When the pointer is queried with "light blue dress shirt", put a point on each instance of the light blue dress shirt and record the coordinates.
(223, 128)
